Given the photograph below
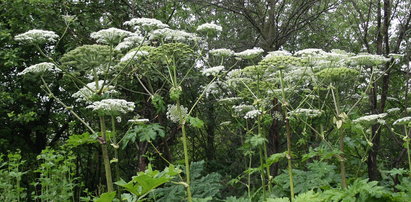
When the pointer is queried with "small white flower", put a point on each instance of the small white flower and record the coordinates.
(222, 52)
(250, 53)
(133, 55)
(112, 106)
(252, 114)
(40, 68)
(37, 36)
(86, 93)
(146, 23)
(110, 35)
(174, 114)
(209, 27)
(212, 71)
(403, 121)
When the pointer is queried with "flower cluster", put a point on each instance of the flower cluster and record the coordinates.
(368, 59)
(175, 115)
(403, 121)
(250, 53)
(146, 23)
(37, 36)
(138, 121)
(252, 114)
(222, 52)
(309, 52)
(90, 90)
(277, 53)
(393, 110)
(209, 27)
(133, 55)
(172, 35)
(110, 35)
(371, 119)
(243, 109)
(212, 71)
(40, 68)
(311, 113)
(130, 42)
(112, 106)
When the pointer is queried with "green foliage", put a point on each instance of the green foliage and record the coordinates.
(146, 132)
(195, 122)
(106, 197)
(359, 190)
(11, 177)
(57, 180)
(78, 140)
(158, 103)
(202, 186)
(319, 176)
(148, 180)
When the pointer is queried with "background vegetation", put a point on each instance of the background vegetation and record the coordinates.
(274, 155)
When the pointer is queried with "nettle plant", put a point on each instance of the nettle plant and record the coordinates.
(151, 54)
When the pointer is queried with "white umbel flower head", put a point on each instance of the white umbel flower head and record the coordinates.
(147, 24)
(310, 52)
(369, 60)
(40, 68)
(311, 113)
(133, 55)
(175, 115)
(371, 119)
(37, 36)
(222, 52)
(209, 27)
(212, 71)
(173, 35)
(393, 110)
(250, 53)
(87, 93)
(138, 121)
(110, 35)
(252, 114)
(277, 53)
(112, 106)
(403, 121)
(130, 42)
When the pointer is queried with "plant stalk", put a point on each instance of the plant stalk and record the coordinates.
(106, 159)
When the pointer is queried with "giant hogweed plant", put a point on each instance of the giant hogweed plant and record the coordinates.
(303, 82)
(151, 50)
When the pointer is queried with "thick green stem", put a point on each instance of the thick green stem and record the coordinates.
(106, 159)
(114, 134)
(407, 145)
(185, 148)
(186, 161)
(341, 140)
(288, 131)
